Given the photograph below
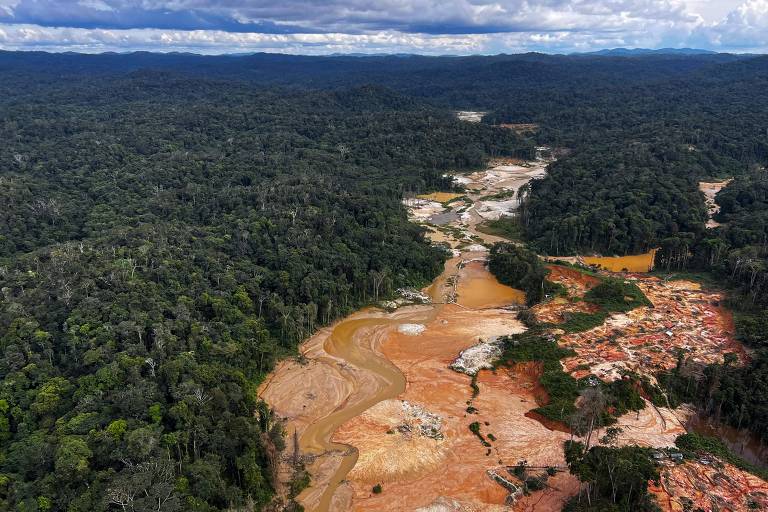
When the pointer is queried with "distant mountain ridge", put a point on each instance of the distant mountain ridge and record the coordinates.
(620, 52)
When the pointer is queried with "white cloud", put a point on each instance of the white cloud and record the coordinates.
(745, 29)
(6, 7)
(96, 5)
(418, 26)
(210, 41)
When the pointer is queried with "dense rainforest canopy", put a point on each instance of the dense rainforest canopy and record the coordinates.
(173, 224)
(163, 241)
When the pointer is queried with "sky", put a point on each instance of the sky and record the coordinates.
(430, 27)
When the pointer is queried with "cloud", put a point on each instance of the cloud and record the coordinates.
(348, 16)
(32, 37)
(744, 28)
(417, 26)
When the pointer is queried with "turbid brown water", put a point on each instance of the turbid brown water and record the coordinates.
(635, 263)
(344, 343)
(741, 442)
(479, 289)
(356, 341)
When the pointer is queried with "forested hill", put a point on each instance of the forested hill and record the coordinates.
(170, 225)
(462, 81)
(162, 242)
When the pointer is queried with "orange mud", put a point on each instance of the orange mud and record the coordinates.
(478, 289)
(557, 311)
(344, 376)
(636, 263)
(576, 282)
(342, 402)
(709, 484)
(440, 197)
(416, 472)
(651, 426)
(375, 405)
(647, 340)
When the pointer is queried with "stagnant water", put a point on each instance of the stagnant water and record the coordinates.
(741, 442)
(479, 289)
(636, 263)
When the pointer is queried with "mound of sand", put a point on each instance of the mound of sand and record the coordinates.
(411, 329)
(478, 357)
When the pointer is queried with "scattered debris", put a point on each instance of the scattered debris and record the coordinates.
(684, 319)
(710, 190)
(515, 491)
(428, 424)
(414, 295)
(710, 485)
(478, 357)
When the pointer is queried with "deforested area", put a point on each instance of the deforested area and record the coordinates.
(262, 282)
(163, 243)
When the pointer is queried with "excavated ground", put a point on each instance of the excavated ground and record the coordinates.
(376, 401)
(683, 319)
(709, 484)
(412, 467)
(710, 190)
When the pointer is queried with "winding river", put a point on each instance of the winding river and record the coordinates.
(347, 362)
(343, 343)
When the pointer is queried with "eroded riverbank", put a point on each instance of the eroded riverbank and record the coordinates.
(375, 402)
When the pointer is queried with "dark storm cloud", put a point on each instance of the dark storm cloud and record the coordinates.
(348, 16)
(126, 15)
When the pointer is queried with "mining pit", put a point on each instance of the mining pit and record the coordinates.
(407, 398)
(710, 190)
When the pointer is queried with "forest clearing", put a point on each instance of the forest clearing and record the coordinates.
(710, 190)
(277, 283)
(399, 416)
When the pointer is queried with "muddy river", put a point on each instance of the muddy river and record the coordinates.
(373, 401)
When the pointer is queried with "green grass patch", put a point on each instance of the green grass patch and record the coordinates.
(617, 295)
(561, 387)
(622, 395)
(579, 321)
(447, 204)
(505, 227)
(500, 196)
(611, 295)
(475, 429)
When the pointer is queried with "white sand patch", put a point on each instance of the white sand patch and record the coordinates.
(493, 210)
(411, 329)
(420, 210)
(470, 116)
(618, 320)
(462, 180)
(476, 248)
(609, 371)
(478, 357)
